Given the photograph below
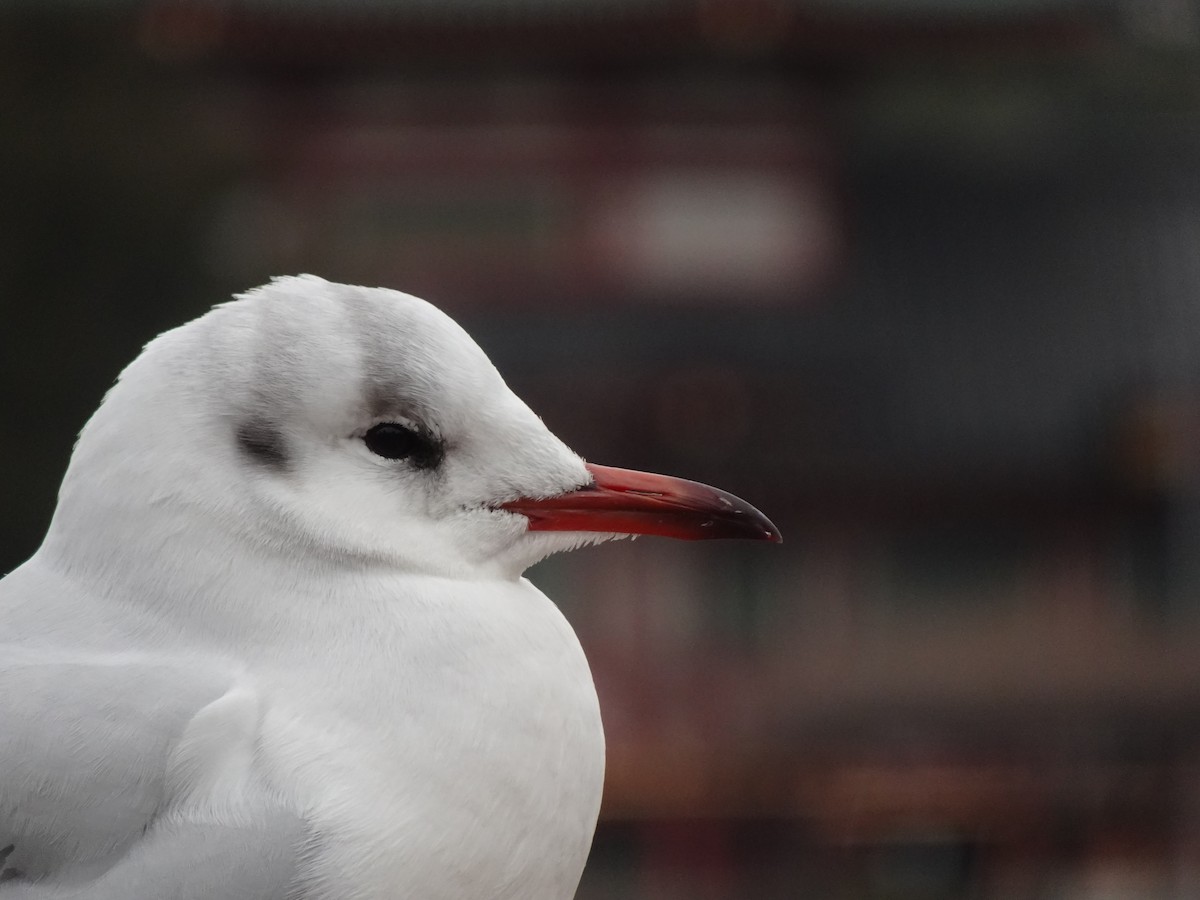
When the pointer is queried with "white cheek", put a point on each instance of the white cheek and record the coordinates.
(353, 504)
(344, 500)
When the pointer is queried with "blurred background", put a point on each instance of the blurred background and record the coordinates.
(919, 278)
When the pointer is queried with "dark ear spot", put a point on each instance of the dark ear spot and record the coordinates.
(263, 444)
(8, 873)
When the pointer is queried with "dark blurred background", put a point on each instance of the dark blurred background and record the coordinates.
(920, 278)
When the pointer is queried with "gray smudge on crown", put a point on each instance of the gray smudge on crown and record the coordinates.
(278, 356)
(380, 389)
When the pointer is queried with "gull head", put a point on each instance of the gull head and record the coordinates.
(349, 424)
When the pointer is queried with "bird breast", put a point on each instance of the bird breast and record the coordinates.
(459, 754)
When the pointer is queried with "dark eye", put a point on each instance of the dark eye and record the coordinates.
(393, 441)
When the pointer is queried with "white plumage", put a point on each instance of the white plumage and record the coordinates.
(277, 644)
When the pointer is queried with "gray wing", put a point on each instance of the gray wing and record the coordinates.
(253, 861)
(99, 759)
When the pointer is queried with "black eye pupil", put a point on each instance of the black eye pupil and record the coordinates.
(392, 441)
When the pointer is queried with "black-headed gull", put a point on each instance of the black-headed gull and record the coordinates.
(276, 643)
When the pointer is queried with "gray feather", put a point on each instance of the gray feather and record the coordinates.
(84, 750)
(257, 861)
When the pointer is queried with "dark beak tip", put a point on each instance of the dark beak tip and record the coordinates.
(766, 531)
(747, 524)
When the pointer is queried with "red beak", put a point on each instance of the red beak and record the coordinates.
(622, 501)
